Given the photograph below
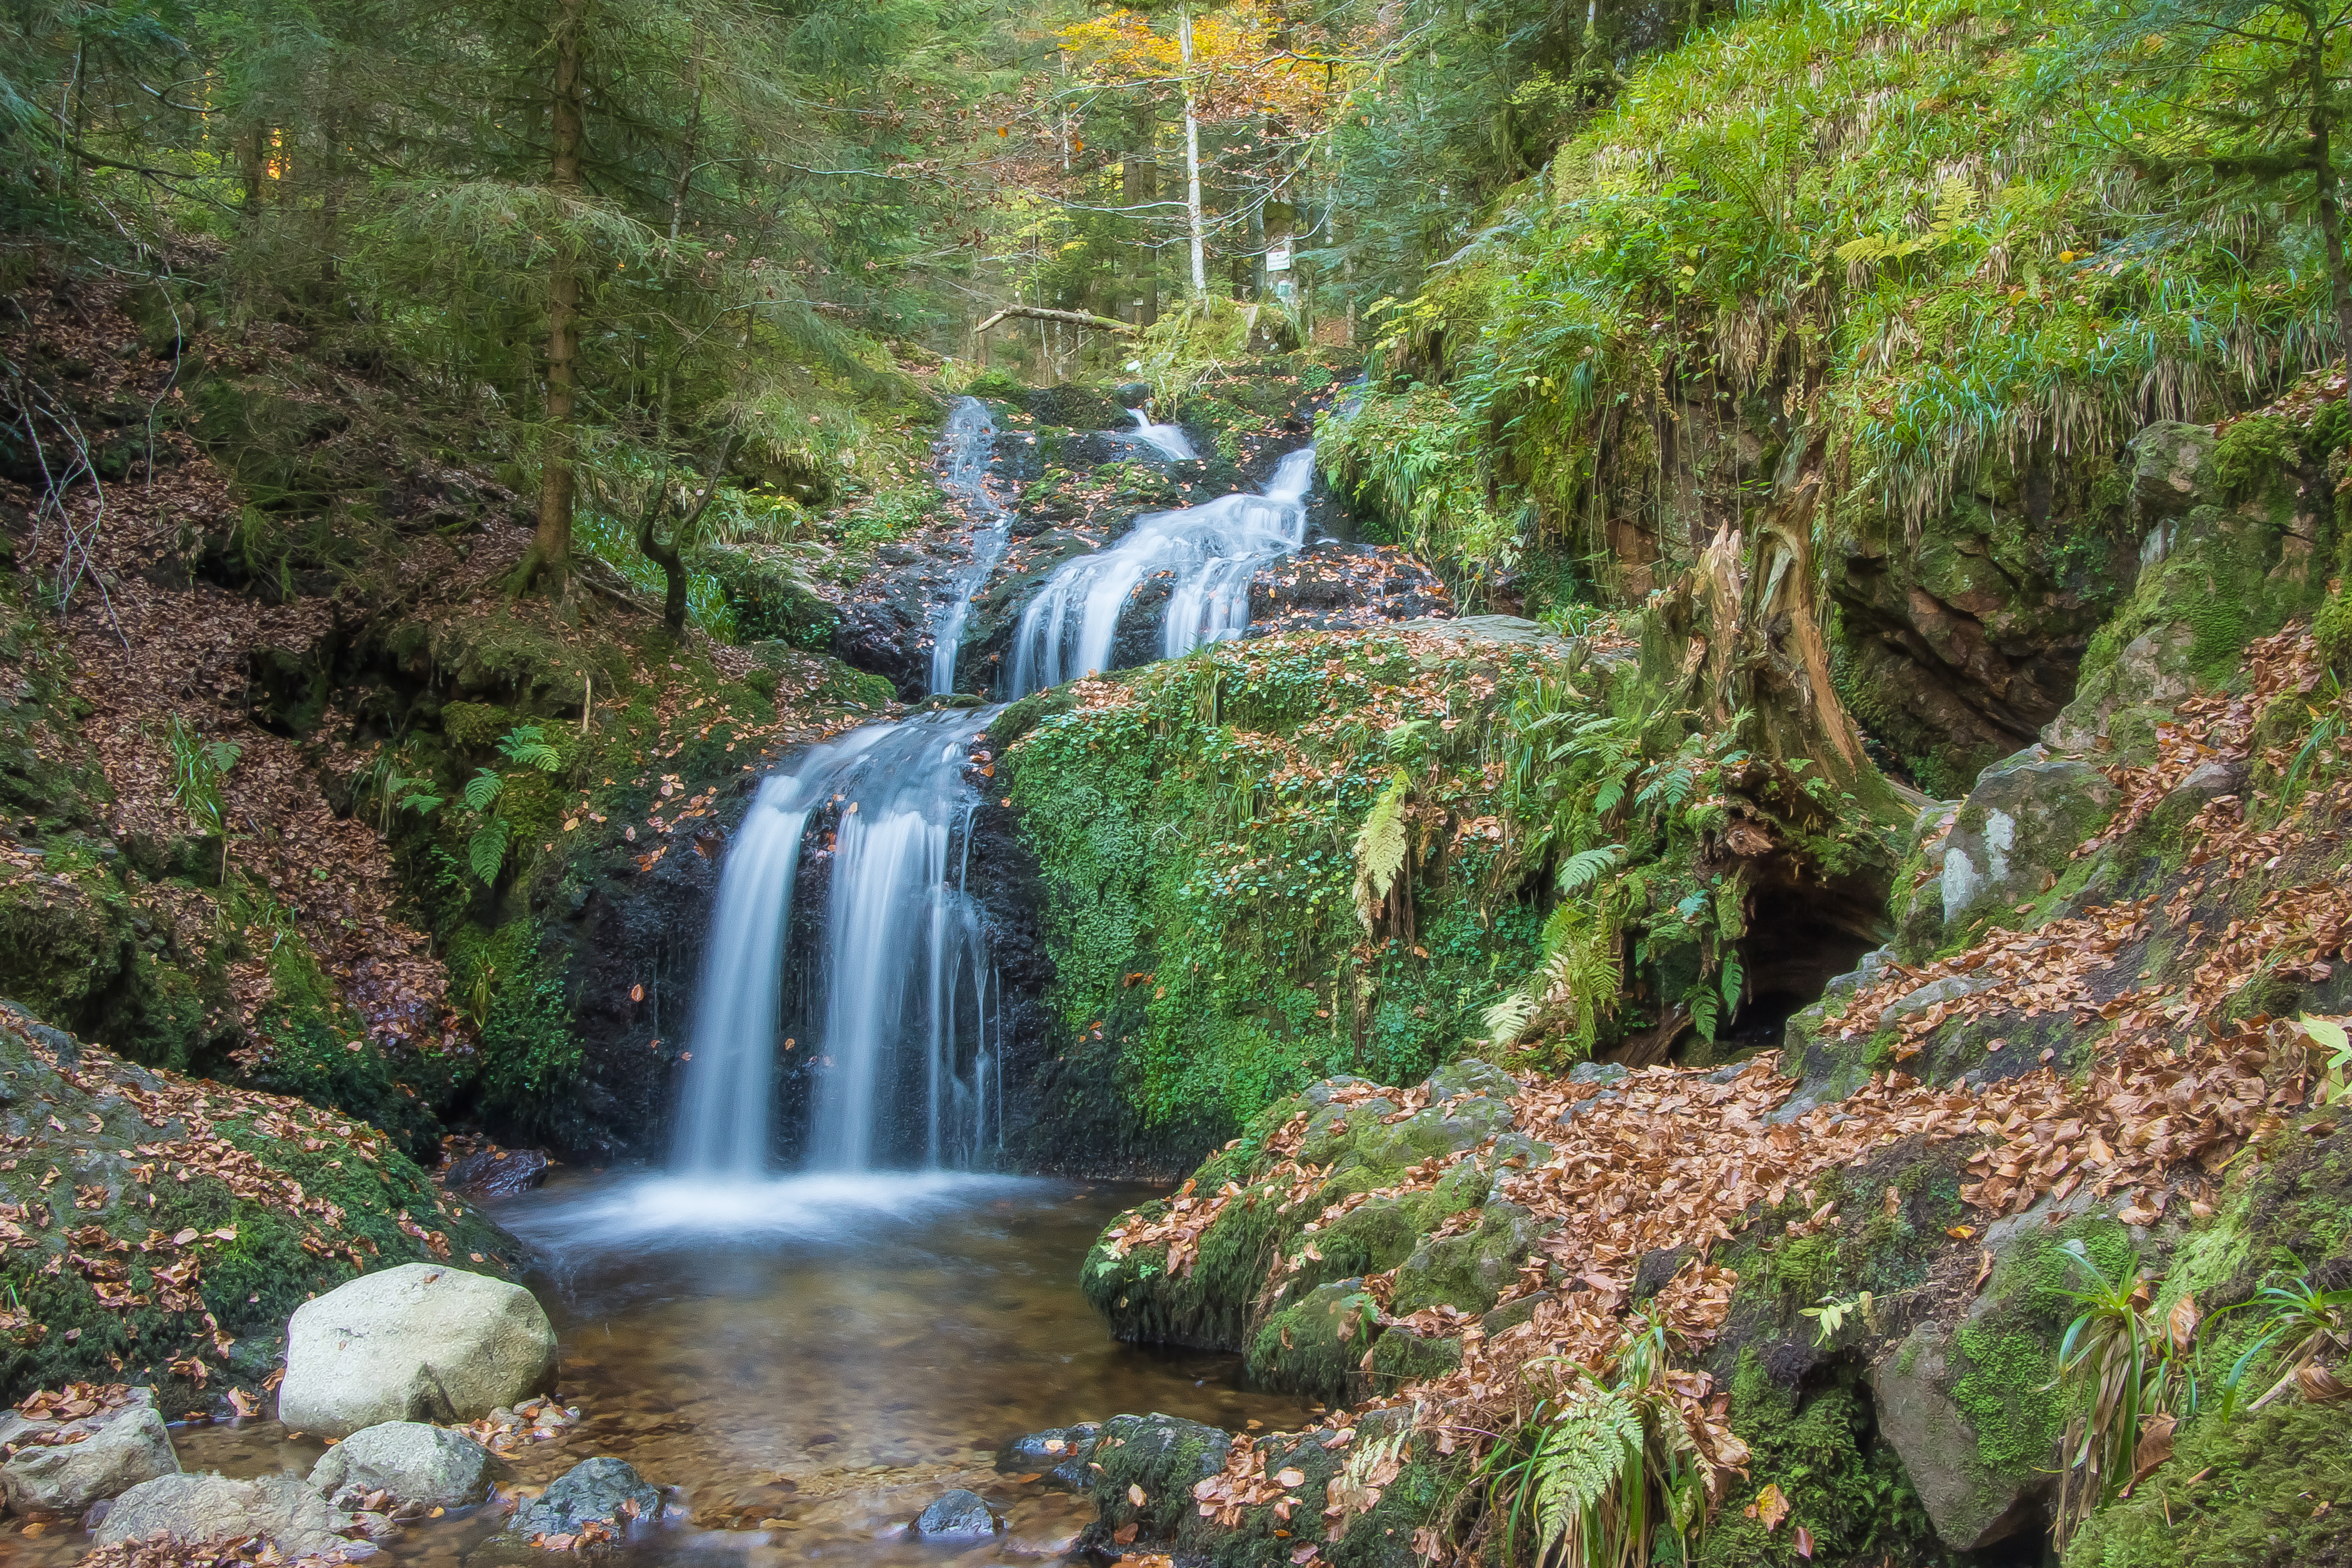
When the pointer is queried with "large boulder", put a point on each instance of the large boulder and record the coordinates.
(1148, 1466)
(62, 1466)
(417, 1343)
(603, 1490)
(2017, 831)
(195, 1510)
(409, 1462)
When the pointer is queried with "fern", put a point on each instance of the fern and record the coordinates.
(1580, 870)
(1380, 851)
(483, 788)
(1582, 1468)
(486, 852)
(1703, 1011)
(526, 746)
(1735, 980)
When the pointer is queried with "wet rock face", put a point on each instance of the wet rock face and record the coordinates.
(1059, 1454)
(958, 1515)
(497, 1173)
(1963, 636)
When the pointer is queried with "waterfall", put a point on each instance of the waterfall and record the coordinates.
(1167, 440)
(903, 1048)
(1211, 552)
(969, 439)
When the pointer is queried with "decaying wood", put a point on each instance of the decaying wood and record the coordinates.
(1068, 318)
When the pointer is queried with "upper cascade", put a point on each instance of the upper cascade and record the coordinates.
(1209, 552)
(969, 438)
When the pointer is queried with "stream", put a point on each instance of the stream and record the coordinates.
(806, 1360)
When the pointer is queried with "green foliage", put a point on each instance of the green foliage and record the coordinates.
(198, 769)
(1198, 844)
(2121, 1366)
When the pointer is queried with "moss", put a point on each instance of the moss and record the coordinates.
(2006, 1395)
(1313, 1346)
(476, 726)
(117, 1173)
(1198, 884)
(1844, 1487)
(2251, 1493)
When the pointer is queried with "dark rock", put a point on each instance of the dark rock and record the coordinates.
(959, 1515)
(604, 1490)
(1332, 584)
(497, 1173)
(1657, 1267)
(1059, 1454)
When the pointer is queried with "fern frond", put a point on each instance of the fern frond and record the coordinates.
(483, 788)
(486, 852)
(1580, 870)
(1507, 1019)
(1581, 1470)
(1380, 851)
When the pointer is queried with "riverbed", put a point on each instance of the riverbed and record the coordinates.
(804, 1362)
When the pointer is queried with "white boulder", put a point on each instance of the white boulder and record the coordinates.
(420, 1343)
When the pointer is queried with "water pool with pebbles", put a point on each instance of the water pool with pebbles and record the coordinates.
(802, 1365)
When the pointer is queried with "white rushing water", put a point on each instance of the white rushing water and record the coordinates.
(967, 445)
(1209, 552)
(1167, 440)
(900, 1009)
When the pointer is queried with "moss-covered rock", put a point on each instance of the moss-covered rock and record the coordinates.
(161, 1229)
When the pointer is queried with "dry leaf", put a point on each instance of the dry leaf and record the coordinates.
(1135, 1494)
(1771, 1506)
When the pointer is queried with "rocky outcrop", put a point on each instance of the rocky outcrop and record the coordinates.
(417, 1343)
(2017, 832)
(407, 1462)
(64, 1464)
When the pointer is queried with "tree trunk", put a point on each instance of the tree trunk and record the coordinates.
(1192, 161)
(551, 546)
(2329, 193)
(1748, 620)
(671, 557)
(1139, 188)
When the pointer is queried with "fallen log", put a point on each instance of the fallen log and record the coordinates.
(1067, 318)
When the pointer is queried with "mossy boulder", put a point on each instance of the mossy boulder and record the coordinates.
(2017, 830)
(155, 1219)
(1470, 1270)
(1314, 1345)
(1159, 1459)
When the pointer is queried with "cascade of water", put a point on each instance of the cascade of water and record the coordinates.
(1211, 552)
(1167, 440)
(902, 1053)
(969, 438)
